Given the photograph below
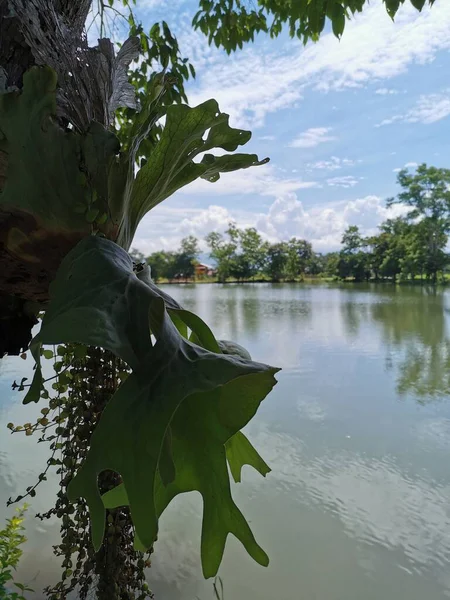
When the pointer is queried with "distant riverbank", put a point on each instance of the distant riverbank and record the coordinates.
(306, 280)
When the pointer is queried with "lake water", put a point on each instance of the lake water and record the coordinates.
(357, 433)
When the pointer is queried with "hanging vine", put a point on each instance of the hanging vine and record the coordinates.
(84, 381)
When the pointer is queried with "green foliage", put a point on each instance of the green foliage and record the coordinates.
(160, 263)
(83, 381)
(45, 180)
(427, 193)
(353, 260)
(184, 264)
(95, 189)
(11, 540)
(299, 255)
(173, 265)
(276, 260)
(160, 51)
(405, 247)
(187, 133)
(228, 347)
(66, 182)
(231, 23)
(241, 257)
(165, 429)
(223, 253)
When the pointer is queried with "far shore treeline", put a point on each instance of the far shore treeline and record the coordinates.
(406, 248)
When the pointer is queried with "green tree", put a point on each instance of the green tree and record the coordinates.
(251, 257)
(299, 255)
(427, 194)
(390, 249)
(12, 539)
(331, 266)
(223, 253)
(276, 260)
(186, 257)
(316, 264)
(354, 259)
(160, 264)
(241, 256)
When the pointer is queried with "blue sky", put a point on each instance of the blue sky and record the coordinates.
(337, 119)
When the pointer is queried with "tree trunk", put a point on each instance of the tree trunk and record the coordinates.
(16, 57)
(91, 82)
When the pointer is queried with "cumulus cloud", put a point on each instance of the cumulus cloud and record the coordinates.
(312, 137)
(429, 109)
(322, 225)
(266, 180)
(286, 217)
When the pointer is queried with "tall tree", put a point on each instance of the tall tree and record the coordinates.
(299, 254)
(160, 264)
(223, 253)
(427, 194)
(276, 260)
(354, 261)
(389, 248)
(186, 257)
(251, 256)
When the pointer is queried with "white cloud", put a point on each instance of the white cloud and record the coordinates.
(323, 225)
(333, 164)
(386, 92)
(146, 5)
(268, 138)
(264, 180)
(312, 137)
(347, 181)
(259, 81)
(286, 217)
(429, 109)
(408, 165)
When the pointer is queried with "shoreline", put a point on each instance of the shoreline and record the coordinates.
(309, 280)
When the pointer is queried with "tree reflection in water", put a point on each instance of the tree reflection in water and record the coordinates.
(414, 323)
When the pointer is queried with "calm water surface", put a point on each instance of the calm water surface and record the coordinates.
(357, 433)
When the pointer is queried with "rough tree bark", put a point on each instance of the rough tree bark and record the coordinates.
(16, 57)
(92, 83)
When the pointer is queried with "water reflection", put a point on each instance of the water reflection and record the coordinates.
(356, 505)
(377, 500)
(414, 325)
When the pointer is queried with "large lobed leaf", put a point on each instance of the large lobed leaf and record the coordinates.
(188, 132)
(174, 422)
(53, 185)
(43, 178)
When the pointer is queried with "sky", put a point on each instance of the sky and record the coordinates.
(338, 120)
